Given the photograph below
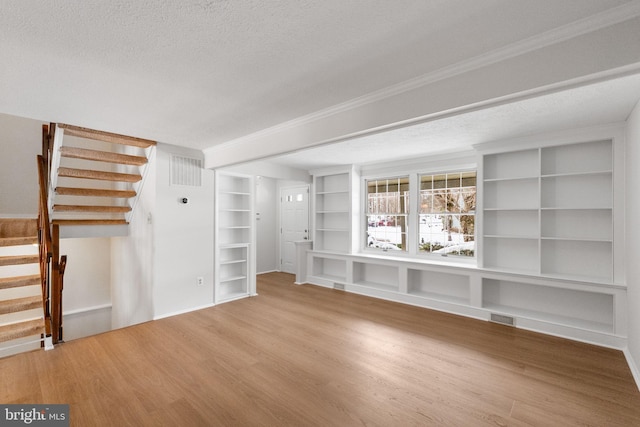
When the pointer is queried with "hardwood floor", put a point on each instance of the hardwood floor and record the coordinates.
(310, 356)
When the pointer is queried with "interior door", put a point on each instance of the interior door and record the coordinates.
(294, 224)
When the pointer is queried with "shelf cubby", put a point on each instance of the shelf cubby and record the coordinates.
(511, 223)
(330, 269)
(377, 276)
(520, 255)
(512, 194)
(582, 191)
(585, 224)
(577, 259)
(569, 307)
(512, 165)
(587, 157)
(441, 286)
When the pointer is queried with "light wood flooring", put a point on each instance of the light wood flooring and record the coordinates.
(310, 356)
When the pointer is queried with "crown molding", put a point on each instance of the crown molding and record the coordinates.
(583, 26)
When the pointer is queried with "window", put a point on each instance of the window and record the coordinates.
(446, 214)
(387, 208)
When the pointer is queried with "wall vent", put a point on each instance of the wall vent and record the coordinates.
(504, 320)
(186, 171)
(338, 286)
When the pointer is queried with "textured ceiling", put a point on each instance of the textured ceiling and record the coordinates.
(602, 103)
(201, 73)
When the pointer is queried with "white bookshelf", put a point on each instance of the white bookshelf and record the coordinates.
(235, 236)
(549, 211)
(334, 210)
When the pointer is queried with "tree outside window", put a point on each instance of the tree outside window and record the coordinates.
(387, 208)
(447, 214)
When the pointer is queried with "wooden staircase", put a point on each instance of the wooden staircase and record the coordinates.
(95, 175)
(21, 302)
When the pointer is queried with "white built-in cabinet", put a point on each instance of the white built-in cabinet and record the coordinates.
(549, 211)
(549, 232)
(234, 237)
(334, 210)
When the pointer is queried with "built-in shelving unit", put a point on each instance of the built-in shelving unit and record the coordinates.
(235, 237)
(548, 211)
(334, 210)
(547, 232)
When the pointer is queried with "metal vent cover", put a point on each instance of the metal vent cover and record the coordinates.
(186, 171)
(502, 319)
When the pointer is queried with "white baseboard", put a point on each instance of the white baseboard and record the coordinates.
(632, 366)
(187, 310)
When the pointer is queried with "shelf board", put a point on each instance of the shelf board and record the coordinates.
(578, 239)
(340, 230)
(331, 278)
(560, 175)
(233, 261)
(440, 297)
(232, 295)
(502, 236)
(234, 210)
(376, 285)
(232, 278)
(551, 318)
(523, 178)
(233, 245)
(511, 209)
(233, 227)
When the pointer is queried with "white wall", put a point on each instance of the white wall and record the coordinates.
(266, 225)
(632, 244)
(132, 257)
(183, 239)
(20, 143)
(87, 287)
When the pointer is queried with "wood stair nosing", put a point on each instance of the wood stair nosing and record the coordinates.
(71, 222)
(100, 175)
(18, 227)
(20, 304)
(18, 241)
(102, 156)
(21, 329)
(113, 138)
(19, 259)
(95, 192)
(19, 281)
(87, 208)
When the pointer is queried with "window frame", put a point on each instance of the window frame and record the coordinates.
(413, 214)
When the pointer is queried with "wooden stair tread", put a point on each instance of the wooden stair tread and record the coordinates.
(21, 329)
(20, 304)
(18, 241)
(113, 138)
(102, 156)
(94, 192)
(18, 227)
(19, 281)
(87, 208)
(64, 222)
(19, 259)
(93, 174)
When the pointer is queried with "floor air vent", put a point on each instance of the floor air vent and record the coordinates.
(504, 320)
(338, 286)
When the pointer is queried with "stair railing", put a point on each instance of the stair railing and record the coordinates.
(52, 265)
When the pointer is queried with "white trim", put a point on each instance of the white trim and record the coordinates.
(186, 310)
(581, 27)
(633, 367)
(87, 309)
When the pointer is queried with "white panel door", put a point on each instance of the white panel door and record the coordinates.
(294, 224)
